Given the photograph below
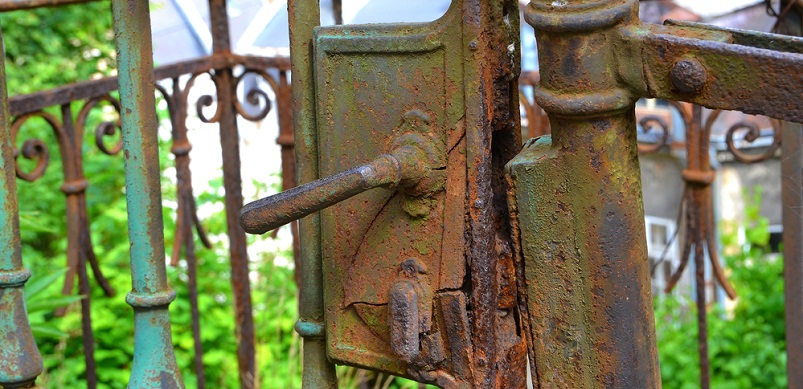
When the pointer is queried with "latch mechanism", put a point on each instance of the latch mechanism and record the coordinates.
(415, 164)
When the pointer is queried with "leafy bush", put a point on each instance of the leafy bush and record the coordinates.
(747, 346)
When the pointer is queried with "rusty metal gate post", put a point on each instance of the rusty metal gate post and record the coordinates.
(423, 208)
(577, 195)
(792, 194)
(154, 364)
(318, 371)
(232, 183)
(577, 199)
(20, 361)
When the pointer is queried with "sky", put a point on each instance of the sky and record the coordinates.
(708, 8)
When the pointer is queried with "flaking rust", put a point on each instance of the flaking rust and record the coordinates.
(419, 277)
(576, 194)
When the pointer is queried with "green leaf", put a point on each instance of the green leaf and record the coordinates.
(37, 284)
(47, 331)
(52, 303)
(31, 221)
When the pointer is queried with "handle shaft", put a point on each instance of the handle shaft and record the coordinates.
(275, 211)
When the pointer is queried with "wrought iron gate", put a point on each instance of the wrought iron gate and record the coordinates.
(443, 252)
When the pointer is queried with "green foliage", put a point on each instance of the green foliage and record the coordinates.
(40, 301)
(747, 346)
(48, 47)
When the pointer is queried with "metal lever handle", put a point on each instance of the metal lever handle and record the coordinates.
(414, 155)
(275, 211)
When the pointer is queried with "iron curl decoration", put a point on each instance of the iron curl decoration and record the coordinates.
(752, 134)
(648, 124)
(105, 128)
(205, 101)
(34, 149)
(254, 96)
(656, 123)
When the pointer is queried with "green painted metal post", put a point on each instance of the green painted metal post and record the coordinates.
(154, 363)
(304, 15)
(20, 361)
(577, 199)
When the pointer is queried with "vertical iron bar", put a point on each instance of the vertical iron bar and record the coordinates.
(154, 363)
(230, 144)
(284, 104)
(192, 285)
(87, 335)
(702, 313)
(20, 361)
(580, 207)
(185, 217)
(73, 188)
(318, 372)
(792, 195)
(697, 151)
(337, 10)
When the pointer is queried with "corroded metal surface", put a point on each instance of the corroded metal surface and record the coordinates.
(371, 284)
(723, 77)
(227, 109)
(791, 20)
(577, 199)
(20, 361)
(420, 276)
(154, 364)
(414, 164)
(431, 57)
(319, 372)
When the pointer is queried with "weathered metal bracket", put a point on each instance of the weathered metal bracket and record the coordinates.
(720, 68)
(576, 196)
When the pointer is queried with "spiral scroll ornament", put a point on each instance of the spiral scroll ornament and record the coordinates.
(106, 128)
(205, 101)
(649, 124)
(34, 149)
(254, 96)
(751, 135)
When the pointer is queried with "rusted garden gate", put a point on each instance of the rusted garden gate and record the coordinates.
(473, 255)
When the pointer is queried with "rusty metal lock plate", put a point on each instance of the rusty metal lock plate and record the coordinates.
(377, 86)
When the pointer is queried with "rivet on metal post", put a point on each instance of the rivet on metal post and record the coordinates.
(688, 76)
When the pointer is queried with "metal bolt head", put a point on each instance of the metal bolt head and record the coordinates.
(688, 76)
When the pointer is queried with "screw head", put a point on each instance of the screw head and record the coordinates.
(688, 75)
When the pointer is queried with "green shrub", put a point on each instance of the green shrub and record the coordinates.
(747, 346)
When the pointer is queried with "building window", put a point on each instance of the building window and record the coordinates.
(662, 251)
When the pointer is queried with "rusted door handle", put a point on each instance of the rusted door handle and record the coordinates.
(275, 211)
(410, 165)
